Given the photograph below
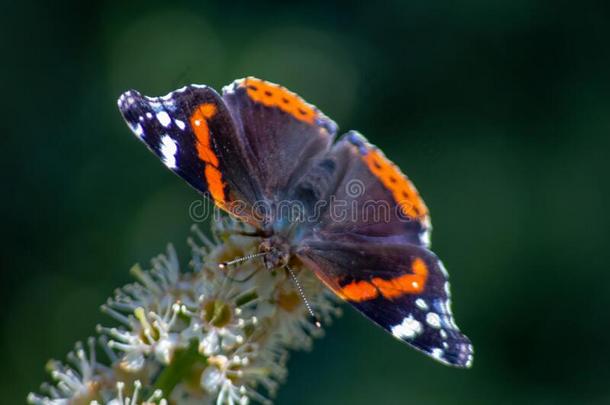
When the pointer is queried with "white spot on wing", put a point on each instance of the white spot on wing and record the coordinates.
(433, 320)
(443, 269)
(163, 118)
(408, 329)
(180, 124)
(424, 238)
(230, 88)
(154, 103)
(138, 130)
(168, 151)
(421, 304)
(437, 353)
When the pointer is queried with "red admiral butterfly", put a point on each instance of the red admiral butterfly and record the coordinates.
(259, 145)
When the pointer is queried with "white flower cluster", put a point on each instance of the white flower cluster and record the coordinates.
(202, 336)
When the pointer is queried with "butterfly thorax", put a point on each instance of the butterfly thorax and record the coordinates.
(277, 252)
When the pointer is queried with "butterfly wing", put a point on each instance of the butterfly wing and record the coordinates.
(193, 132)
(402, 288)
(361, 193)
(370, 246)
(282, 133)
(242, 149)
(260, 142)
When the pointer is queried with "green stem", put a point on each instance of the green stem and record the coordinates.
(180, 368)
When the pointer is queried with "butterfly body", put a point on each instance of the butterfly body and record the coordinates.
(339, 206)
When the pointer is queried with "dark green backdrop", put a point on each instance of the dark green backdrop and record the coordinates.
(498, 110)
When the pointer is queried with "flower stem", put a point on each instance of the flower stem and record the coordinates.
(180, 368)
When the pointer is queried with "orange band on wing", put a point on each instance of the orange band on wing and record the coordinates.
(215, 184)
(407, 284)
(359, 291)
(414, 283)
(393, 179)
(272, 95)
(199, 123)
(213, 176)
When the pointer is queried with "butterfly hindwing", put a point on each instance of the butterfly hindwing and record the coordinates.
(402, 288)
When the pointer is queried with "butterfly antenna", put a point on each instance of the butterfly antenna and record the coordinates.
(297, 283)
(240, 260)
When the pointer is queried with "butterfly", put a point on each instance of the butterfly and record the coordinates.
(360, 224)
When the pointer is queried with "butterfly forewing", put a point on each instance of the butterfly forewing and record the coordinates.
(193, 132)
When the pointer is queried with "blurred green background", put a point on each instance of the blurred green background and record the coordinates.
(498, 110)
